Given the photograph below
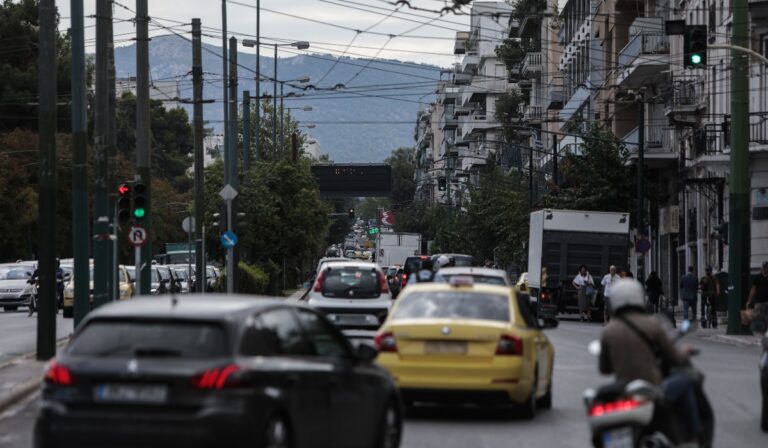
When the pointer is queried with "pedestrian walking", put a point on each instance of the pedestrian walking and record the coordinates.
(758, 301)
(655, 289)
(689, 286)
(585, 287)
(606, 282)
(710, 289)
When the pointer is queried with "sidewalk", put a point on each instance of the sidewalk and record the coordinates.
(21, 376)
(297, 295)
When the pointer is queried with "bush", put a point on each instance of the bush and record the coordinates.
(251, 279)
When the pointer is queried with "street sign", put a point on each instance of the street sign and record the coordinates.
(373, 231)
(228, 193)
(228, 239)
(188, 224)
(642, 245)
(137, 236)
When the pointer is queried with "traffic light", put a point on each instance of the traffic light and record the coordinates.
(721, 232)
(242, 220)
(139, 200)
(441, 184)
(695, 46)
(351, 213)
(124, 202)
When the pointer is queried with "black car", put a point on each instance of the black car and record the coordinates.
(215, 371)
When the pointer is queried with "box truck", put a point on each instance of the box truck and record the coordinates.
(392, 248)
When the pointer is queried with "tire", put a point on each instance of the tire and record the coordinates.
(545, 402)
(277, 433)
(10, 308)
(527, 409)
(391, 427)
(67, 311)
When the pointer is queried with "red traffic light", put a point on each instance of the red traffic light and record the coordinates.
(124, 189)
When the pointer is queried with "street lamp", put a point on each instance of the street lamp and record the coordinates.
(301, 45)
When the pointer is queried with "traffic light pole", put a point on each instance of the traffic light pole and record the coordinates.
(197, 109)
(143, 150)
(739, 238)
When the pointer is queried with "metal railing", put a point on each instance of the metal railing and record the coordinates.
(687, 91)
(643, 43)
(532, 63)
(532, 113)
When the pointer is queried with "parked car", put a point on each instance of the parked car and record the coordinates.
(215, 371)
(15, 289)
(182, 275)
(352, 294)
(126, 289)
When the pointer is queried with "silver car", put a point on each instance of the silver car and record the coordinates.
(15, 289)
(479, 275)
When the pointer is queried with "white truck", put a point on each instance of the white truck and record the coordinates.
(392, 248)
(562, 240)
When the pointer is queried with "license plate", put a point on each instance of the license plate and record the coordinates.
(618, 438)
(131, 393)
(445, 347)
(350, 319)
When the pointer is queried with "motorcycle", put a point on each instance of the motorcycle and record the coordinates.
(637, 415)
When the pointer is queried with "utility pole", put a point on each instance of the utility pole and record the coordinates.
(739, 225)
(274, 110)
(234, 180)
(258, 80)
(282, 135)
(224, 82)
(246, 132)
(80, 221)
(640, 185)
(197, 114)
(101, 256)
(530, 177)
(143, 149)
(46, 239)
(554, 163)
(294, 148)
(112, 283)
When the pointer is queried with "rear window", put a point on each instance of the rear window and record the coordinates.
(351, 283)
(412, 264)
(124, 339)
(484, 279)
(464, 261)
(453, 305)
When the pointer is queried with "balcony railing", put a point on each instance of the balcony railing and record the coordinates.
(532, 63)
(532, 113)
(643, 43)
(687, 91)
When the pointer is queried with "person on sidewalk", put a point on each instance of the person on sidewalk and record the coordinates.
(585, 287)
(758, 300)
(606, 282)
(710, 289)
(655, 289)
(689, 287)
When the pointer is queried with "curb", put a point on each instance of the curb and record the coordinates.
(19, 393)
(739, 341)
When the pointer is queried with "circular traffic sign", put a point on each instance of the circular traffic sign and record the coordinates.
(137, 235)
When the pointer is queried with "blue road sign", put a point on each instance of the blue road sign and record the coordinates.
(228, 239)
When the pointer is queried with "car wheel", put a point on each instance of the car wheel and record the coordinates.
(10, 308)
(527, 409)
(391, 427)
(67, 311)
(545, 402)
(277, 434)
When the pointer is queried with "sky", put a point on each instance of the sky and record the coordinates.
(329, 25)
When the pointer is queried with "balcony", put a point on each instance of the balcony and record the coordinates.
(555, 98)
(658, 151)
(644, 60)
(476, 122)
(532, 114)
(460, 44)
(469, 62)
(530, 13)
(758, 10)
(448, 119)
(532, 64)
(687, 98)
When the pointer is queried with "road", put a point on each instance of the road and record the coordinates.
(732, 385)
(18, 332)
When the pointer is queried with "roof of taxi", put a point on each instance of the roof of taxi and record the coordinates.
(458, 270)
(477, 287)
(203, 307)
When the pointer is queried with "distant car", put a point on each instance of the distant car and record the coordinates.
(461, 342)
(15, 290)
(352, 294)
(215, 371)
(182, 276)
(326, 260)
(411, 266)
(126, 289)
(457, 260)
(479, 275)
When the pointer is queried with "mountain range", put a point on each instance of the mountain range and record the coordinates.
(354, 123)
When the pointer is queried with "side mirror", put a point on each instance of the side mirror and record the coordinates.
(366, 353)
(548, 323)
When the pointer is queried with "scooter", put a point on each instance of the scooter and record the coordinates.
(637, 415)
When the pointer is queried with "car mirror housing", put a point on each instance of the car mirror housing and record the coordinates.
(366, 353)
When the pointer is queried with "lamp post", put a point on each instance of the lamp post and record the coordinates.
(301, 45)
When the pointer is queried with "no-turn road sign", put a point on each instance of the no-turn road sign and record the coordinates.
(137, 236)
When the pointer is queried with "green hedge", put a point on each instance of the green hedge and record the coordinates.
(251, 279)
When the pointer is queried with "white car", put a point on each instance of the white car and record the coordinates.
(323, 261)
(479, 275)
(15, 290)
(352, 294)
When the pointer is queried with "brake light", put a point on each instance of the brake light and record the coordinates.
(509, 346)
(405, 279)
(383, 284)
(319, 282)
(216, 378)
(614, 406)
(58, 374)
(385, 342)
(544, 297)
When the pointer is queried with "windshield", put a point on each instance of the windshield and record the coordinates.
(182, 273)
(15, 272)
(453, 305)
(351, 283)
(484, 279)
(124, 339)
(155, 276)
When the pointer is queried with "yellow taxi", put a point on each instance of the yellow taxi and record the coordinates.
(126, 290)
(461, 342)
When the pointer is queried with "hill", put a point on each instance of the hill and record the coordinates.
(376, 127)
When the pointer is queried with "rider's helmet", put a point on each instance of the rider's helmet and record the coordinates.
(441, 262)
(626, 293)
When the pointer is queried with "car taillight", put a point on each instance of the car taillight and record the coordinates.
(544, 297)
(383, 284)
(385, 342)
(319, 282)
(509, 345)
(405, 279)
(615, 406)
(216, 378)
(58, 374)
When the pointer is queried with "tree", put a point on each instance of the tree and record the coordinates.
(403, 185)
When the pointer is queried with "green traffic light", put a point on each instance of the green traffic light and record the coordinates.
(139, 213)
(695, 59)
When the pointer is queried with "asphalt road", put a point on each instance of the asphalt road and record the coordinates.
(18, 332)
(732, 385)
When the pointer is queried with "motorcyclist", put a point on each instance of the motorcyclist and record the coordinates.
(634, 343)
(59, 287)
(425, 273)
